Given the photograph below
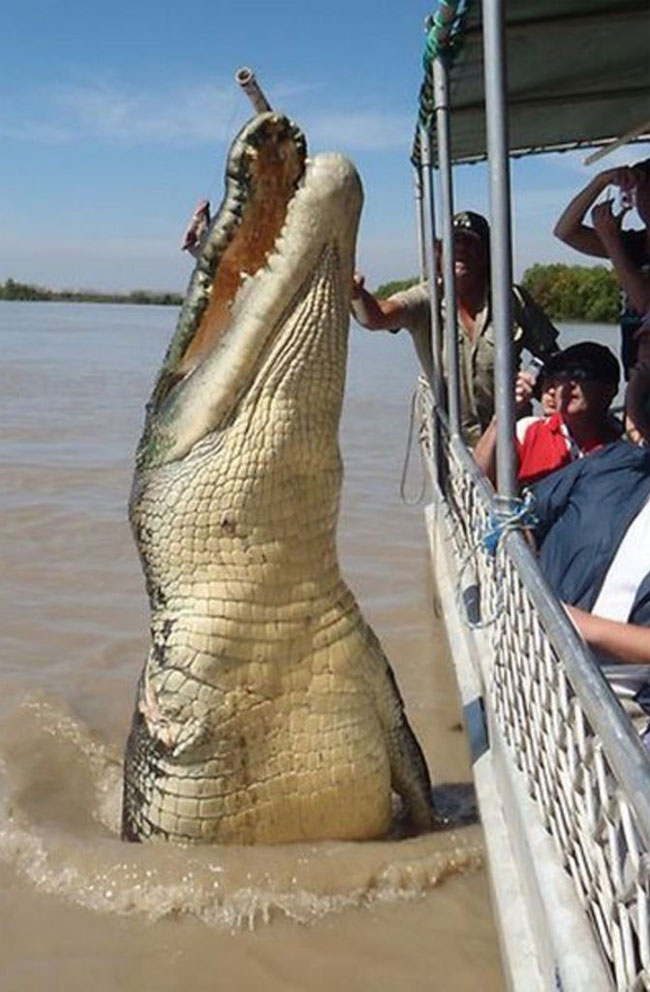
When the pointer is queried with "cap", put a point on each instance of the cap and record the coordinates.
(591, 360)
(473, 223)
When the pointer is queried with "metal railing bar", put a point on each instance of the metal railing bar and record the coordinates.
(418, 193)
(500, 240)
(623, 747)
(431, 272)
(441, 102)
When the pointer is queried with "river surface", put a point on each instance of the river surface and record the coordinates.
(81, 910)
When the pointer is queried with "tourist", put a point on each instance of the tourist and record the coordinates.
(628, 251)
(411, 309)
(581, 383)
(593, 535)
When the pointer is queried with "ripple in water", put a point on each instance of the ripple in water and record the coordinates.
(59, 828)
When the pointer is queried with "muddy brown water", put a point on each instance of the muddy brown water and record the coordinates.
(79, 909)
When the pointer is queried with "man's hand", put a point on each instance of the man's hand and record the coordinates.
(371, 313)
(524, 386)
(358, 284)
(628, 643)
(623, 177)
(606, 223)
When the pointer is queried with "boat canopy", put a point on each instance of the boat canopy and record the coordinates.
(578, 74)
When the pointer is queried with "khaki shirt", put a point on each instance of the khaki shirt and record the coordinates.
(532, 330)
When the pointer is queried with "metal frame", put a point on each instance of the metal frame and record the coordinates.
(426, 238)
(500, 241)
(441, 104)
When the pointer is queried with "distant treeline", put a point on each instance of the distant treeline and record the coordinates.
(12, 290)
(589, 293)
(566, 292)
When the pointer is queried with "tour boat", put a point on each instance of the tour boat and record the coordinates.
(562, 780)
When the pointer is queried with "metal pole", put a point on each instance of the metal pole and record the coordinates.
(500, 245)
(441, 104)
(431, 268)
(419, 220)
(246, 79)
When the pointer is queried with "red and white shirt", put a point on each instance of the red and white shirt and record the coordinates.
(545, 444)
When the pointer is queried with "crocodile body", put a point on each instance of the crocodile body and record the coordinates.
(267, 711)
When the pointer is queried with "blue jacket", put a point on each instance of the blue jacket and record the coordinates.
(583, 512)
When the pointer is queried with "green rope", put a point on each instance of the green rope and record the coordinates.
(442, 35)
(445, 39)
(507, 515)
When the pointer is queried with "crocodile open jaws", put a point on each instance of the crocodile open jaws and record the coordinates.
(267, 711)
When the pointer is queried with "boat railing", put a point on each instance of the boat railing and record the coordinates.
(548, 705)
(562, 779)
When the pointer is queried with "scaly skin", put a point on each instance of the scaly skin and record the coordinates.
(267, 711)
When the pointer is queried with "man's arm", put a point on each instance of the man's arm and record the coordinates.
(571, 227)
(634, 282)
(642, 337)
(485, 452)
(371, 313)
(628, 643)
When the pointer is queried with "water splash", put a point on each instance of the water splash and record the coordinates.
(60, 793)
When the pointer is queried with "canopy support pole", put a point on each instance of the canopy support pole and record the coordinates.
(441, 104)
(636, 132)
(431, 271)
(500, 240)
(418, 190)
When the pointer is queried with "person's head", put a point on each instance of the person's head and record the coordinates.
(585, 380)
(471, 246)
(637, 405)
(641, 172)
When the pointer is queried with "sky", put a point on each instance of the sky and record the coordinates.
(115, 118)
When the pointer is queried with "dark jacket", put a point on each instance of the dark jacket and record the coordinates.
(583, 512)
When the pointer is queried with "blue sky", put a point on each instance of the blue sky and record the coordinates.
(115, 118)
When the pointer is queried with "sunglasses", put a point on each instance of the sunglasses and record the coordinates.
(577, 373)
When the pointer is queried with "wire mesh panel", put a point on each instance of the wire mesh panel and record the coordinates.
(577, 750)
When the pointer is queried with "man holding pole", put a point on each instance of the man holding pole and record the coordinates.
(411, 309)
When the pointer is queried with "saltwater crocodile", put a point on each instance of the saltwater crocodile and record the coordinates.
(267, 711)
